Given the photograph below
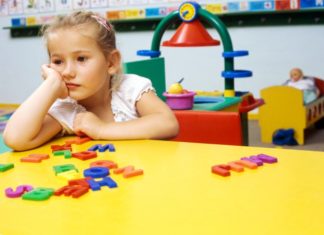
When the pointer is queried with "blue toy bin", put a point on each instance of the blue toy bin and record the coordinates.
(180, 101)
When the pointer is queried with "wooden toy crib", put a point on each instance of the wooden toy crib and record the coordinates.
(284, 108)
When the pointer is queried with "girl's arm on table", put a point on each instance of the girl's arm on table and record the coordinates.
(156, 121)
(30, 125)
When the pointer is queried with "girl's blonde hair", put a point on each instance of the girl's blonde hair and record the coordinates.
(100, 29)
(103, 31)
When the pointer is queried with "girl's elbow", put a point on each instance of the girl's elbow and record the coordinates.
(176, 128)
(173, 128)
(13, 142)
(10, 142)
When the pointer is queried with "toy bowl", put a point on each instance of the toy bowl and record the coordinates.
(180, 101)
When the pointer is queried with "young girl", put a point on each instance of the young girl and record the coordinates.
(84, 91)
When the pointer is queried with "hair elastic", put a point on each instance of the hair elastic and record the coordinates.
(102, 21)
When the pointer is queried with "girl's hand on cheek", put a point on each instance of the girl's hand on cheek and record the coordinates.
(50, 74)
(89, 124)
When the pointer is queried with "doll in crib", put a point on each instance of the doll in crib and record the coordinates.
(304, 83)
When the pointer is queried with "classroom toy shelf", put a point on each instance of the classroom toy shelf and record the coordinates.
(241, 19)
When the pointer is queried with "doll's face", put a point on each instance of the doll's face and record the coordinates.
(295, 74)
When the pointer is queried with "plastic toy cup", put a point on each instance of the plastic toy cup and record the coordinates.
(180, 101)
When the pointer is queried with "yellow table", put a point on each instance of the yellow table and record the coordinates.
(177, 194)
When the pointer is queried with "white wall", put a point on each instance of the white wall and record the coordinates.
(273, 51)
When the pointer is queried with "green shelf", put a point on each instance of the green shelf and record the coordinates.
(248, 19)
